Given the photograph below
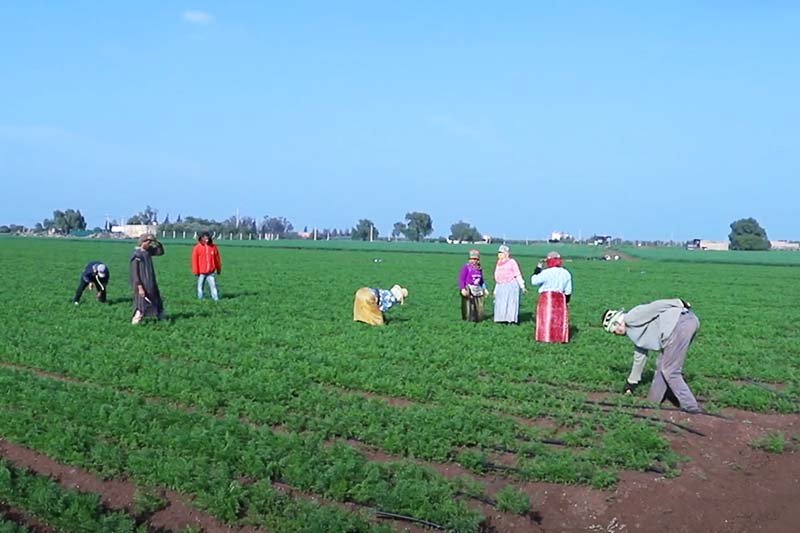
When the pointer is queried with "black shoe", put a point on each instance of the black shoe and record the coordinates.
(629, 388)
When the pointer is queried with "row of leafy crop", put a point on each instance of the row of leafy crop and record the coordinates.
(66, 510)
(319, 318)
(8, 526)
(288, 394)
(292, 316)
(115, 434)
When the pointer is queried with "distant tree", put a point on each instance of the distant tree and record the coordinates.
(166, 220)
(178, 220)
(65, 221)
(462, 231)
(398, 229)
(305, 229)
(747, 234)
(418, 226)
(276, 225)
(362, 230)
(148, 216)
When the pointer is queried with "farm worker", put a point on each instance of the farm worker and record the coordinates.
(555, 290)
(472, 287)
(668, 326)
(95, 276)
(146, 296)
(371, 304)
(508, 284)
(206, 264)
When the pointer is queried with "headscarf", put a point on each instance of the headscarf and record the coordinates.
(611, 318)
(554, 260)
(400, 293)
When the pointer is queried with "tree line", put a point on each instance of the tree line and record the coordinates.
(746, 233)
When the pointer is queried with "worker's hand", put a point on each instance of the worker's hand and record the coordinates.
(464, 293)
(219, 272)
(539, 265)
(141, 290)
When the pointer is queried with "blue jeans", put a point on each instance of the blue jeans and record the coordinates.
(212, 285)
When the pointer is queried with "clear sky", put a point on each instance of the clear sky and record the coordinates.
(646, 120)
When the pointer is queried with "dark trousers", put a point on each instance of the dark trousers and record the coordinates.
(101, 293)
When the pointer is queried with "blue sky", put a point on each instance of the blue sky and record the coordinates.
(647, 120)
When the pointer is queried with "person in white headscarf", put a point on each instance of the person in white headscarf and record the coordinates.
(508, 285)
(666, 326)
(371, 304)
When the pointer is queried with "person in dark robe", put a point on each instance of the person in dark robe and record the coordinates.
(146, 296)
(95, 276)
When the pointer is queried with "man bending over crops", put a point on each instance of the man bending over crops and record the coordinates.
(94, 276)
(370, 304)
(668, 326)
(146, 296)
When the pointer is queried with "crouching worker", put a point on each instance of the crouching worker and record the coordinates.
(667, 326)
(94, 276)
(146, 296)
(371, 304)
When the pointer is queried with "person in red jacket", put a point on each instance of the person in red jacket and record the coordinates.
(206, 264)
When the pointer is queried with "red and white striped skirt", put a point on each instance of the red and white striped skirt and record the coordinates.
(552, 318)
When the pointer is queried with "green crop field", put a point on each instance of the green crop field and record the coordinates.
(275, 385)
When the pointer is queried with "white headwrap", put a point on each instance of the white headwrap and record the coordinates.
(611, 318)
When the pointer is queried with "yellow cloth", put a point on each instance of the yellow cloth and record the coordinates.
(365, 307)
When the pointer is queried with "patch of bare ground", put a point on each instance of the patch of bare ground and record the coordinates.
(116, 494)
(725, 486)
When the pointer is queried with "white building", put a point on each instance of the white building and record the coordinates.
(135, 230)
(784, 245)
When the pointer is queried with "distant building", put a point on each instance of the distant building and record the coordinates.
(134, 231)
(784, 245)
(600, 240)
(558, 236)
(704, 244)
